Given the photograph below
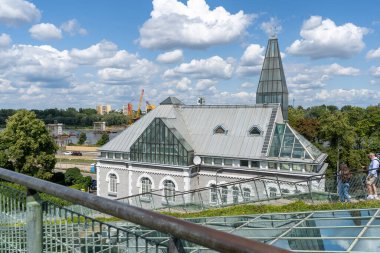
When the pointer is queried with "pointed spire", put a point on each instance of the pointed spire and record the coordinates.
(272, 85)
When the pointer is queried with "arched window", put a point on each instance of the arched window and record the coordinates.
(254, 131)
(112, 183)
(235, 194)
(146, 187)
(246, 194)
(213, 194)
(272, 192)
(169, 191)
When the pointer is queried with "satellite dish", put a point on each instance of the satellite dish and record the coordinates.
(197, 160)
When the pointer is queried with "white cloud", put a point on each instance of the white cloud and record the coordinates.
(173, 24)
(94, 53)
(375, 71)
(170, 57)
(138, 72)
(323, 38)
(247, 85)
(272, 27)
(212, 68)
(304, 77)
(344, 97)
(251, 61)
(36, 64)
(205, 84)
(373, 54)
(45, 31)
(73, 27)
(15, 12)
(5, 40)
(184, 84)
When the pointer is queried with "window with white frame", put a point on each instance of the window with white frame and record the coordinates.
(146, 187)
(112, 183)
(224, 194)
(169, 191)
(235, 194)
(246, 194)
(213, 194)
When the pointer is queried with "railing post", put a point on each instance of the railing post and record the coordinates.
(33, 222)
(175, 246)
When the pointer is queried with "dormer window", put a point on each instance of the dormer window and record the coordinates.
(255, 130)
(220, 130)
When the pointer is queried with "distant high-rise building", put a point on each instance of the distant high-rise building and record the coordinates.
(103, 109)
(272, 85)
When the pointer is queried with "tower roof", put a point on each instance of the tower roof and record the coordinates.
(272, 85)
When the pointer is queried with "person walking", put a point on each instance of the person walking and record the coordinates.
(372, 176)
(344, 177)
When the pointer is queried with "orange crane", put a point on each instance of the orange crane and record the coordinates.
(149, 106)
(138, 113)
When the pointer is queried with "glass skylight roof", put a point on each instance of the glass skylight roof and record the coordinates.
(320, 231)
(286, 142)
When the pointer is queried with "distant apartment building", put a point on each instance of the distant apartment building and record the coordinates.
(103, 109)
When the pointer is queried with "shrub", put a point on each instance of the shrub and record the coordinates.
(73, 176)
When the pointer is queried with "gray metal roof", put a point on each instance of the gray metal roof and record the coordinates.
(196, 124)
(171, 101)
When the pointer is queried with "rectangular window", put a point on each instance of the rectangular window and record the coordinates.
(125, 156)
(207, 160)
(227, 162)
(103, 154)
(243, 163)
(298, 167)
(110, 155)
(285, 166)
(255, 164)
(310, 168)
(272, 165)
(117, 155)
(218, 161)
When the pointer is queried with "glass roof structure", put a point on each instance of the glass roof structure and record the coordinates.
(286, 142)
(320, 231)
(272, 85)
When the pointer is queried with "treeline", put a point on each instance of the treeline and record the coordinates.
(83, 117)
(347, 135)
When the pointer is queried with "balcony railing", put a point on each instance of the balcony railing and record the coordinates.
(31, 225)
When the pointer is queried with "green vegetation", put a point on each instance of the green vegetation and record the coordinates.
(82, 138)
(348, 134)
(298, 206)
(76, 161)
(75, 179)
(103, 139)
(26, 146)
(71, 117)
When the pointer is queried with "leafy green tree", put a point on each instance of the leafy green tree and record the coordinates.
(26, 145)
(73, 176)
(82, 138)
(103, 139)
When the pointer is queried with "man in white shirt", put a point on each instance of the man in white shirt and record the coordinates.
(372, 176)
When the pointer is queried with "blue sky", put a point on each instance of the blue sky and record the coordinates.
(69, 53)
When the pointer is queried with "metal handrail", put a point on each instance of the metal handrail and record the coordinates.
(179, 229)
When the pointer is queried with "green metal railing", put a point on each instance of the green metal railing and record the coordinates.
(28, 224)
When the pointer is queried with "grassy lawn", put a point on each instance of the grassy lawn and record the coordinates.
(75, 160)
(298, 206)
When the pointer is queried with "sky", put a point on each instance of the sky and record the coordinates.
(70, 53)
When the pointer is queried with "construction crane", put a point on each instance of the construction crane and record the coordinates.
(149, 106)
(130, 113)
(138, 112)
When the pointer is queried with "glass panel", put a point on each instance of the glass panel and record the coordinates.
(255, 164)
(367, 245)
(298, 167)
(110, 155)
(272, 165)
(117, 155)
(207, 160)
(285, 166)
(228, 162)
(157, 144)
(103, 154)
(314, 244)
(218, 161)
(243, 163)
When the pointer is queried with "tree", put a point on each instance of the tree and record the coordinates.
(82, 138)
(26, 146)
(103, 140)
(73, 176)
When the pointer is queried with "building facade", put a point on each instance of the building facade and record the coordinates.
(103, 109)
(179, 148)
